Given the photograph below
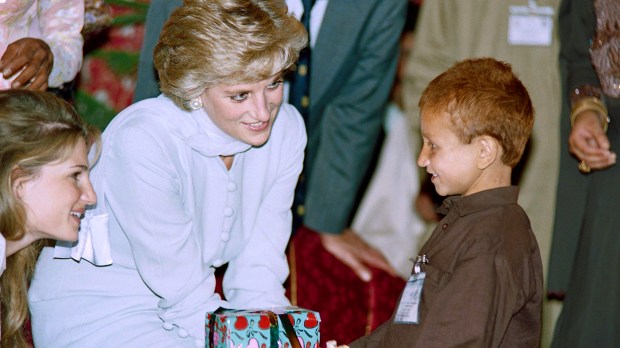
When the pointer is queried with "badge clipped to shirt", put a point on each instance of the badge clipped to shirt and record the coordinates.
(408, 311)
(530, 25)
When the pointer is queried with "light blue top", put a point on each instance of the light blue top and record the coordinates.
(175, 212)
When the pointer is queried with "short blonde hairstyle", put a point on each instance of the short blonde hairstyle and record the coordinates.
(225, 42)
(483, 97)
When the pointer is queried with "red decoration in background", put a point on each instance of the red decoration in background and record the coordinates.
(97, 79)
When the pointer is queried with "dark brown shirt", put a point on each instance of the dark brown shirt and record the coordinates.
(484, 279)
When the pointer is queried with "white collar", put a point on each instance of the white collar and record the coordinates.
(210, 140)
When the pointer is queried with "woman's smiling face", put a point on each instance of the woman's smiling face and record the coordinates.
(246, 112)
(56, 198)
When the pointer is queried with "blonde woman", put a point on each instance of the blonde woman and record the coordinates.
(44, 190)
(196, 178)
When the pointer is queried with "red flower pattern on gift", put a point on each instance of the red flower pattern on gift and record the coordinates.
(311, 321)
(263, 323)
(241, 323)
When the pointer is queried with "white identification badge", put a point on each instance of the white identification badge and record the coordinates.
(408, 311)
(530, 25)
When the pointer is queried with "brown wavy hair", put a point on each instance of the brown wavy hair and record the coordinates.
(211, 42)
(36, 128)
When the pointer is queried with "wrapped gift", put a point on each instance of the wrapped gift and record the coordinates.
(282, 327)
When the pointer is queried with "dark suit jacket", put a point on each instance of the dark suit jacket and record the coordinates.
(158, 13)
(353, 68)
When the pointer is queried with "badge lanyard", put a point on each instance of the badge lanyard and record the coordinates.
(408, 311)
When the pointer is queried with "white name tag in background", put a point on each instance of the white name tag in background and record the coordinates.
(529, 26)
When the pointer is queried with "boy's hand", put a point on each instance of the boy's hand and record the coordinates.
(354, 252)
(31, 59)
(589, 143)
(333, 344)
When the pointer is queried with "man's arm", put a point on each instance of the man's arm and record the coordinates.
(350, 127)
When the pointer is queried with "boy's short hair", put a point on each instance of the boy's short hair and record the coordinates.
(483, 97)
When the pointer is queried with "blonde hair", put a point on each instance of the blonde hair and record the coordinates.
(484, 97)
(213, 42)
(36, 128)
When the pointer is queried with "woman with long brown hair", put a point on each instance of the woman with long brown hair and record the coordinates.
(44, 190)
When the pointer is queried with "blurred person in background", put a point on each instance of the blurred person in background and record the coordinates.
(584, 269)
(40, 43)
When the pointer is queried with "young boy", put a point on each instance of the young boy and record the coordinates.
(477, 282)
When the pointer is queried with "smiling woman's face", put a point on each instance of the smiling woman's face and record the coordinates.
(56, 198)
(246, 112)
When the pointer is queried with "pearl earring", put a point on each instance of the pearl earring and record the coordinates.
(195, 103)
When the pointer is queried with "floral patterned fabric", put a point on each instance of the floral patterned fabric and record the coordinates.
(57, 22)
(106, 83)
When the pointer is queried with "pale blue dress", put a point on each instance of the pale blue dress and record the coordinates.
(175, 213)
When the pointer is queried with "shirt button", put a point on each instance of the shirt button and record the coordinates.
(182, 333)
(225, 237)
(231, 187)
(217, 263)
(228, 211)
(167, 326)
(301, 210)
(444, 226)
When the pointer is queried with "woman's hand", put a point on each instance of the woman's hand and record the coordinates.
(354, 252)
(589, 143)
(31, 59)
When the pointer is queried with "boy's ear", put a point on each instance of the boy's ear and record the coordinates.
(488, 151)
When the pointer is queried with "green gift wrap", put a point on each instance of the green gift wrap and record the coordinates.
(280, 327)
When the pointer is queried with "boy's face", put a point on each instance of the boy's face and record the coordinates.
(453, 165)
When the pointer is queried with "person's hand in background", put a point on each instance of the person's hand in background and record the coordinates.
(30, 60)
(354, 252)
(589, 143)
